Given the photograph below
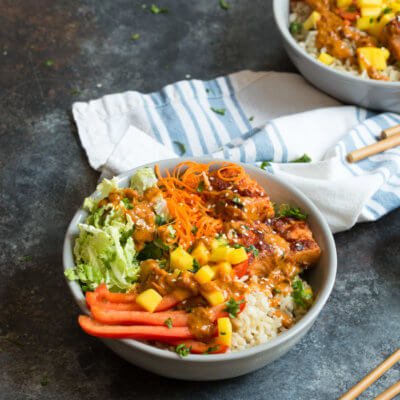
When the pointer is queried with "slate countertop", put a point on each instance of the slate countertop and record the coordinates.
(55, 52)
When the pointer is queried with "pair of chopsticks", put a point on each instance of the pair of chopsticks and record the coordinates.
(390, 138)
(372, 377)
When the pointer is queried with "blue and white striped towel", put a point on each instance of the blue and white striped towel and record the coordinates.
(268, 116)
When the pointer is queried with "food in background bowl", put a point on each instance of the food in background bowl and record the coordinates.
(361, 37)
(197, 260)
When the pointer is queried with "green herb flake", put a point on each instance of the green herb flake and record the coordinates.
(127, 203)
(183, 350)
(75, 91)
(295, 27)
(196, 266)
(212, 349)
(135, 36)
(168, 323)
(188, 310)
(303, 159)
(279, 291)
(44, 381)
(387, 10)
(251, 118)
(25, 259)
(286, 210)
(265, 164)
(252, 249)
(224, 5)
(182, 147)
(371, 20)
(237, 246)
(159, 220)
(49, 63)
(352, 8)
(222, 333)
(126, 235)
(233, 307)
(201, 187)
(208, 90)
(220, 111)
(299, 295)
(237, 201)
(157, 10)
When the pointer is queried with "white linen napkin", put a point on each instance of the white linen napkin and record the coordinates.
(252, 117)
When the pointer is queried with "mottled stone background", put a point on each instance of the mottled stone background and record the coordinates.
(54, 52)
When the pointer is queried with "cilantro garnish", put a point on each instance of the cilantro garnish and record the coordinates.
(212, 349)
(237, 201)
(183, 350)
(224, 5)
(299, 295)
(208, 90)
(265, 164)
(201, 187)
(352, 8)
(159, 220)
(168, 322)
(295, 27)
(25, 259)
(49, 63)
(304, 158)
(220, 111)
(127, 204)
(195, 267)
(285, 210)
(253, 249)
(233, 307)
(251, 118)
(182, 147)
(237, 246)
(126, 235)
(157, 10)
(279, 291)
(387, 10)
(135, 36)
(76, 91)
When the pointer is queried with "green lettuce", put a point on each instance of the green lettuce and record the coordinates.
(143, 179)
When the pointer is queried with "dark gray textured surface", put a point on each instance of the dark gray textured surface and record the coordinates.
(44, 175)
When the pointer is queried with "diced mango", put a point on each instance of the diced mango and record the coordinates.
(369, 3)
(377, 28)
(149, 299)
(181, 294)
(373, 56)
(220, 253)
(224, 331)
(181, 259)
(204, 274)
(395, 6)
(214, 298)
(224, 268)
(236, 256)
(364, 23)
(325, 58)
(372, 12)
(386, 52)
(311, 21)
(201, 254)
(343, 3)
(218, 243)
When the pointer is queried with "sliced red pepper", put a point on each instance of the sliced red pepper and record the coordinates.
(103, 293)
(159, 333)
(200, 347)
(93, 300)
(241, 268)
(177, 318)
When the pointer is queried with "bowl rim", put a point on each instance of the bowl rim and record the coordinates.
(284, 30)
(284, 337)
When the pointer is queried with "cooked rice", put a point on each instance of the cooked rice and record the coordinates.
(306, 40)
(257, 324)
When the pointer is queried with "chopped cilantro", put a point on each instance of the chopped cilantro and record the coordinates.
(194, 229)
(76, 91)
(371, 20)
(352, 8)
(183, 350)
(224, 5)
(157, 10)
(126, 235)
(220, 111)
(201, 187)
(253, 249)
(233, 307)
(127, 204)
(295, 27)
(285, 210)
(279, 291)
(135, 36)
(25, 259)
(237, 246)
(251, 118)
(49, 63)
(303, 159)
(159, 220)
(168, 322)
(44, 381)
(208, 90)
(212, 349)
(188, 310)
(387, 10)
(222, 333)
(265, 164)
(182, 147)
(237, 201)
(299, 295)
(195, 267)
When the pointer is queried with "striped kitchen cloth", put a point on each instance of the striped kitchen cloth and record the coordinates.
(252, 117)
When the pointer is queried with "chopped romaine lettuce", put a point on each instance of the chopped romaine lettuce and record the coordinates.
(103, 189)
(143, 179)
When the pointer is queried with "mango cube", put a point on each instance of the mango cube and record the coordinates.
(181, 259)
(373, 56)
(311, 21)
(224, 268)
(369, 3)
(325, 58)
(204, 274)
(149, 299)
(214, 298)
(218, 243)
(220, 253)
(236, 256)
(371, 12)
(364, 23)
(377, 27)
(201, 254)
(224, 331)
(343, 3)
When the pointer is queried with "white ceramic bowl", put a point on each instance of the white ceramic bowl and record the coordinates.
(350, 89)
(221, 366)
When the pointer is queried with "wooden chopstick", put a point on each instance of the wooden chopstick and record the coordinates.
(375, 148)
(389, 393)
(394, 130)
(372, 377)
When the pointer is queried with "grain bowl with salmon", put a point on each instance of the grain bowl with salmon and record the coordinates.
(192, 260)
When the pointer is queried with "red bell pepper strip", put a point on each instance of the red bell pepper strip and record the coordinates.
(177, 318)
(104, 293)
(160, 333)
(241, 268)
(197, 347)
(93, 300)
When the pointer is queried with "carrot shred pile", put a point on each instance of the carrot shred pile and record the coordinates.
(186, 194)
